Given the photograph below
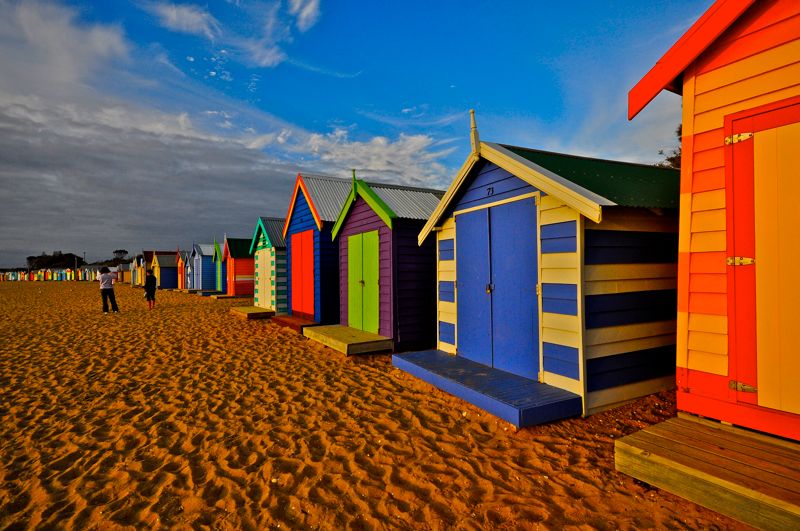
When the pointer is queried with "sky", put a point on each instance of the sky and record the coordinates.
(148, 124)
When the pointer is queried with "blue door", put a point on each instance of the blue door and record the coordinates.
(515, 307)
(473, 274)
(497, 272)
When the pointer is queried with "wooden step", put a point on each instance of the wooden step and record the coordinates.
(748, 476)
(252, 312)
(348, 340)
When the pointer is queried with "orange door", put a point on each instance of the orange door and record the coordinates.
(303, 273)
(763, 253)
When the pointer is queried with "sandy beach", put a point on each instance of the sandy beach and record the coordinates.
(187, 417)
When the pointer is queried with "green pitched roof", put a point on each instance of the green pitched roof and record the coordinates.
(238, 247)
(625, 183)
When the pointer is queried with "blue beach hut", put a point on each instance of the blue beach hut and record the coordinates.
(556, 283)
(204, 274)
(312, 255)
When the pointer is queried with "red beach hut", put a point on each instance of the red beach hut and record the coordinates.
(239, 266)
(737, 71)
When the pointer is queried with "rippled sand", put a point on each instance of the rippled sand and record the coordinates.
(189, 417)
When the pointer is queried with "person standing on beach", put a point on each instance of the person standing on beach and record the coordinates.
(107, 278)
(150, 289)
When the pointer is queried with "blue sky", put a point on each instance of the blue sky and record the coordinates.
(151, 124)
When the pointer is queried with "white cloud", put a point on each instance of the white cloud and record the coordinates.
(262, 52)
(410, 159)
(186, 18)
(306, 11)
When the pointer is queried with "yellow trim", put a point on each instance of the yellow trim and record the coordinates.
(448, 196)
(584, 201)
(561, 337)
(581, 313)
(497, 203)
(600, 272)
(605, 287)
(587, 203)
(562, 382)
(710, 362)
(557, 321)
(447, 347)
(611, 334)
(630, 345)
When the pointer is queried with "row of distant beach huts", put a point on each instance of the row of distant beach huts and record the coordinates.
(88, 273)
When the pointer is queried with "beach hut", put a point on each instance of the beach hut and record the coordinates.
(556, 283)
(181, 257)
(123, 273)
(204, 271)
(737, 71)
(133, 271)
(165, 269)
(269, 251)
(387, 283)
(312, 255)
(220, 268)
(239, 266)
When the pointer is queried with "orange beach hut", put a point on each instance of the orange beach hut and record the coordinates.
(738, 71)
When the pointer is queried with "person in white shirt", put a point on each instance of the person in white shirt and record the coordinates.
(107, 278)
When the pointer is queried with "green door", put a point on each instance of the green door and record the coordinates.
(363, 281)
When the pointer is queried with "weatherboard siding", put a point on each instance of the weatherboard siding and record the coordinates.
(561, 329)
(301, 220)
(361, 218)
(241, 275)
(630, 305)
(415, 286)
(755, 62)
(446, 314)
(491, 184)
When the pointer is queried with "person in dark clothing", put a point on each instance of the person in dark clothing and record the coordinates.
(106, 279)
(150, 289)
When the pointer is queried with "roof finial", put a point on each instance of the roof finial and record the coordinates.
(473, 129)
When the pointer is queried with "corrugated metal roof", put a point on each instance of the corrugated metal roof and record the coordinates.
(327, 193)
(407, 202)
(274, 230)
(205, 249)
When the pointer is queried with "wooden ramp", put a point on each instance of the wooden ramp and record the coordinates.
(294, 322)
(224, 296)
(349, 340)
(520, 401)
(252, 312)
(748, 476)
(207, 292)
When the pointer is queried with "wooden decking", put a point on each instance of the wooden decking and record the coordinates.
(294, 322)
(225, 296)
(748, 476)
(252, 312)
(349, 340)
(518, 400)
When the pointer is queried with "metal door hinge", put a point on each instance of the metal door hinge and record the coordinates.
(740, 260)
(489, 289)
(738, 137)
(739, 386)
(538, 289)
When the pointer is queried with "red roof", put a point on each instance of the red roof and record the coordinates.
(668, 71)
